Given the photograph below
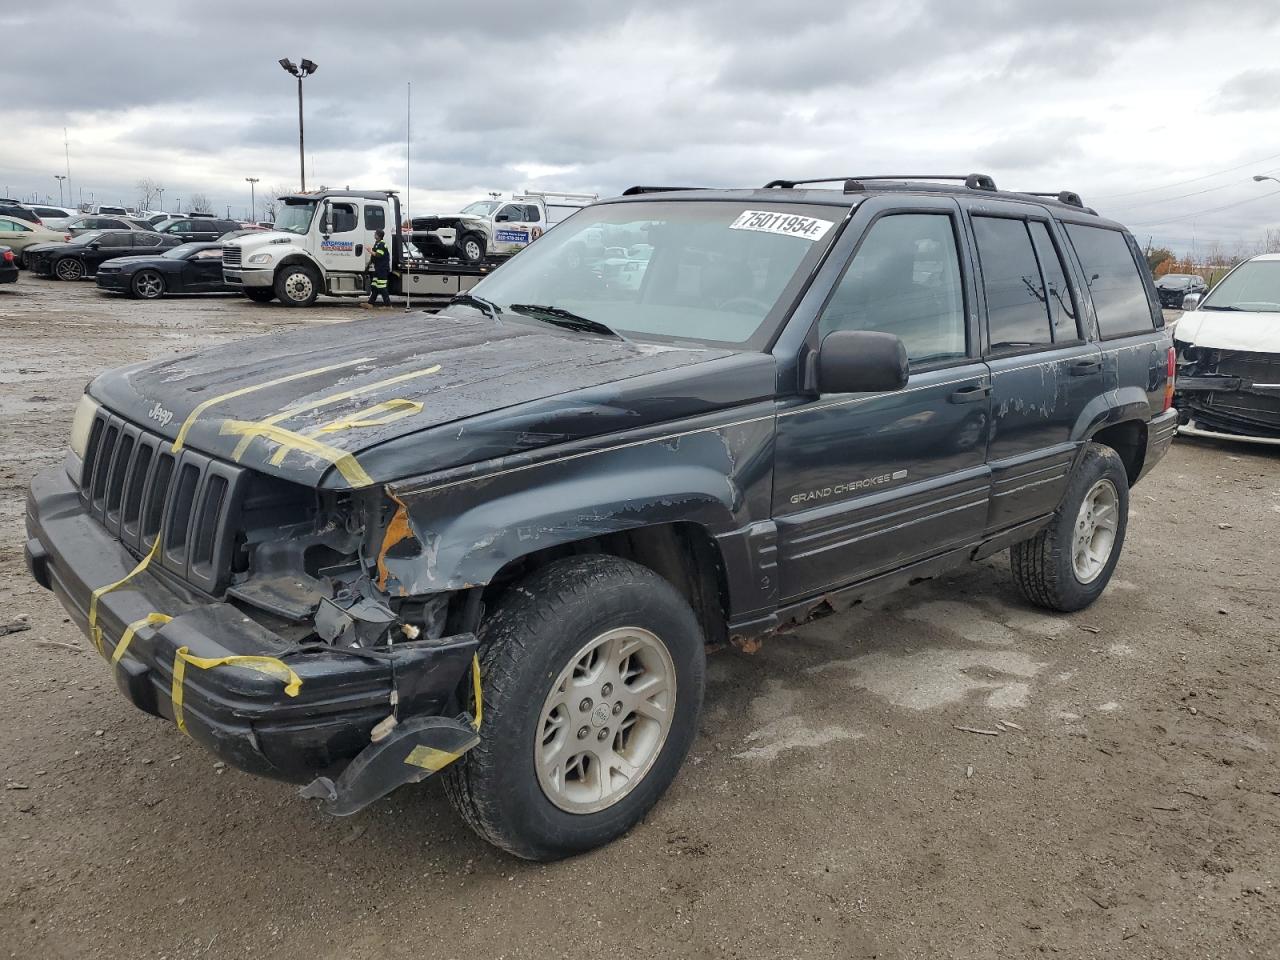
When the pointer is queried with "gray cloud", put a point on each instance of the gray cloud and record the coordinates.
(1257, 89)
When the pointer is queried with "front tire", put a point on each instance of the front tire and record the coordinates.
(260, 294)
(471, 247)
(147, 285)
(595, 644)
(68, 268)
(297, 285)
(1068, 564)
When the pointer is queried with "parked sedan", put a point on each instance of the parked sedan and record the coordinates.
(8, 266)
(190, 268)
(84, 224)
(197, 229)
(18, 235)
(55, 218)
(81, 256)
(17, 210)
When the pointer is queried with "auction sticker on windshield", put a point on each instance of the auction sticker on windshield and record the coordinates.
(787, 224)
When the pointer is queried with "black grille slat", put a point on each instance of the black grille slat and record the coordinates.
(119, 476)
(91, 453)
(135, 487)
(103, 463)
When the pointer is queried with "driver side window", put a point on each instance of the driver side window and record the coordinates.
(905, 279)
(344, 217)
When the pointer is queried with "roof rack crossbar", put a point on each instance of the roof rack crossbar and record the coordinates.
(974, 181)
(1069, 197)
(638, 190)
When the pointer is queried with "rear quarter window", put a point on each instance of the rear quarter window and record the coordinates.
(1116, 284)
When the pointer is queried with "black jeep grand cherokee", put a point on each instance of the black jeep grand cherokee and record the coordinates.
(498, 539)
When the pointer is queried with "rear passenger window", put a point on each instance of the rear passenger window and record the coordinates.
(375, 217)
(905, 280)
(1118, 290)
(1062, 308)
(1016, 313)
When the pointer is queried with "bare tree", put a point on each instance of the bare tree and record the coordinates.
(271, 199)
(200, 203)
(148, 192)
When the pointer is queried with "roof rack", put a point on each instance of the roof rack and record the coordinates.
(974, 181)
(1069, 197)
(638, 190)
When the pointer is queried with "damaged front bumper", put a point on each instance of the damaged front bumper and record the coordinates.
(305, 713)
(1227, 406)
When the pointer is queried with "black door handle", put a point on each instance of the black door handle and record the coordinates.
(1086, 368)
(970, 394)
(359, 249)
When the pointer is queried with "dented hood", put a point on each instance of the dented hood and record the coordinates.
(348, 405)
(1251, 331)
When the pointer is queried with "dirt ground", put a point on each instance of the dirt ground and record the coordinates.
(830, 807)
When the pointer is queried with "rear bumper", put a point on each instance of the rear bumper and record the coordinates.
(243, 716)
(241, 277)
(9, 276)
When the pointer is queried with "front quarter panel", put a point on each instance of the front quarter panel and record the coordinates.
(715, 473)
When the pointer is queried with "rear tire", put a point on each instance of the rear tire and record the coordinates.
(297, 285)
(260, 294)
(1068, 564)
(536, 785)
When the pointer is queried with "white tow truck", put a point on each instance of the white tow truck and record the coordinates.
(321, 244)
(488, 229)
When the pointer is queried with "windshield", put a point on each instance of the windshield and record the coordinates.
(1254, 285)
(714, 272)
(295, 217)
(481, 208)
(89, 237)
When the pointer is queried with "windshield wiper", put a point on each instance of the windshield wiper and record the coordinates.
(1204, 307)
(560, 317)
(487, 307)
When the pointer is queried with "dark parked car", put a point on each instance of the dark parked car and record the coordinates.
(8, 266)
(13, 208)
(189, 268)
(197, 229)
(89, 222)
(497, 541)
(1173, 287)
(81, 256)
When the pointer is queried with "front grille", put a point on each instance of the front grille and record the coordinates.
(231, 255)
(138, 488)
(1254, 368)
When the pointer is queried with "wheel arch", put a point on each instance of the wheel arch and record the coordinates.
(1128, 438)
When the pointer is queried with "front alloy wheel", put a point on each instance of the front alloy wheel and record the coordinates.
(68, 268)
(605, 720)
(147, 285)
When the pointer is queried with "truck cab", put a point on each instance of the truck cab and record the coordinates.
(320, 244)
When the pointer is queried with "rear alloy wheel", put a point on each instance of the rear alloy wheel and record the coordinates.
(147, 285)
(68, 268)
(297, 286)
(471, 247)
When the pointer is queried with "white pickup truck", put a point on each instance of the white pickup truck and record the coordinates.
(493, 228)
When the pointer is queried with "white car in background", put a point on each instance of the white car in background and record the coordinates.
(1228, 343)
(55, 218)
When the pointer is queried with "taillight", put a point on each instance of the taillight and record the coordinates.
(1171, 369)
(66, 238)
(8, 256)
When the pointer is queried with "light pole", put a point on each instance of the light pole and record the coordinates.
(300, 70)
(59, 177)
(1258, 178)
(253, 206)
(160, 190)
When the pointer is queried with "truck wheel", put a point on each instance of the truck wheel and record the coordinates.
(593, 670)
(260, 294)
(297, 285)
(1068, 564)
(471, 247)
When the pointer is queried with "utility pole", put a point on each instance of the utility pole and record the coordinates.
(253, 205)
(66, 147)
(300, 70)
(59, 177)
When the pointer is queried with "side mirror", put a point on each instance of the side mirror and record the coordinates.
(1191, 301)
(326, 219)
(502, 218)
(861, 361)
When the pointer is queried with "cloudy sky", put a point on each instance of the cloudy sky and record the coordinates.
(1158, 113)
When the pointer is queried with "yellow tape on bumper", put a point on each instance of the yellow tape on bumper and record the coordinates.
(205, 405)
(150, 620)
(268, 665)
(95, 632)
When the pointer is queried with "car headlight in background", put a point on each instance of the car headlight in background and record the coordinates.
(81, 424)
(260, 258)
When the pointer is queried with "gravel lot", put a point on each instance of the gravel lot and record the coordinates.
(830, 807)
